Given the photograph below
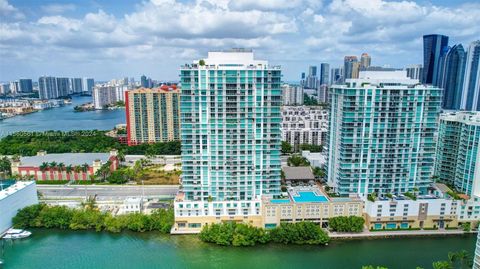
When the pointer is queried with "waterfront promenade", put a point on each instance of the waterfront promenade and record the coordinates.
(395, 233)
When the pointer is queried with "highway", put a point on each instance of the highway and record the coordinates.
(106, 192)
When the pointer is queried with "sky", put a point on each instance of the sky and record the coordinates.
(107, 39)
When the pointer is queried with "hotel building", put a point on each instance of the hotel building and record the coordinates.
(153, 115)
(382, 134)
(230, 132)
(458, 151)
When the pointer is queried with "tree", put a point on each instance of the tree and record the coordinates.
(104, 171)
(286, 147)
(68, 170)
(346, 224)
(442, 265)
(85, 168)
(201, 62)
(5, 165)
(319, 172)
(311, 147)
(297, 160)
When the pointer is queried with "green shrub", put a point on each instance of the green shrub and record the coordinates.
(346, 224)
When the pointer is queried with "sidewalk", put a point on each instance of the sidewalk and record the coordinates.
(394, 233)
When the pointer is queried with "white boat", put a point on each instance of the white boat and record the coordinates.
(16, 234)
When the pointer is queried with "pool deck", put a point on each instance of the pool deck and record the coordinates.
(367, 234)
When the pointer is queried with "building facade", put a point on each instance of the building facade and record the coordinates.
(153, 115)
(365, 60)
(324, 74)
(230, 122)
(304, 125)
(292, 95)
(458, 151)
(63, 166)
(382, 134)
(104, 95)
(471, 83)
(88, 84)
(434, 47)
(63, 86)
(451, 79)
(415, 72)
(401, 212)
(47, 88)
(26, 85)
(350, 67)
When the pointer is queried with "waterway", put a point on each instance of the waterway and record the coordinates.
(66, 249)
(64, 119)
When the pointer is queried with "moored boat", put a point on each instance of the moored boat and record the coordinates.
(16, 234)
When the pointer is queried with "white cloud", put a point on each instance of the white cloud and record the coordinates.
(167, 33)
(58, 8)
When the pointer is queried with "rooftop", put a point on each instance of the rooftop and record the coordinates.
(161, 89)
(14, 188)
(65, 158)
(298, 173)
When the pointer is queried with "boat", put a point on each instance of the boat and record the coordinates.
(16, 234)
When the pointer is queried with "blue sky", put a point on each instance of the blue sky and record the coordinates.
(117, 38)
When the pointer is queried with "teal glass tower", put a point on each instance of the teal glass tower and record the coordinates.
(458, 151)
(382, 134)
(230, 122)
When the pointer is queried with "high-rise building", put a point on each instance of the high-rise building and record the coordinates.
(312, 71)
(88, 84)
(451, 79)
(26, 85)
(63, 87)
(322, 93)
(14, 87)
(47, 88)
(292, 95)
(458, 151)
(415, 71)
(143, 81)
(304, 125)
(104, 95)
(365, 60)
(4, 89)
(350, 67)
(337, 75)
(324, 73)
(230, 114)
(76, 85)
(434, 47)
(382, 134)
(153, 115)
(471, 83)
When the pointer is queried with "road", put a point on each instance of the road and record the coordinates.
(106, 192)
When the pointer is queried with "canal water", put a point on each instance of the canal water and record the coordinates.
(64, 119)
(66, 249)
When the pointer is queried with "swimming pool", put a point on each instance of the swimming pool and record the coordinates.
(6, 183)
(280, 201)
(309, 197)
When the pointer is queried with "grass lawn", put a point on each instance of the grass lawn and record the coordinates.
(156, 176)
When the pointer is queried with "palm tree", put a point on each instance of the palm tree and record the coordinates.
(43, 167)
(61, 168)
(69, 169)
(52, 166)
(77, 169)
(85, 167)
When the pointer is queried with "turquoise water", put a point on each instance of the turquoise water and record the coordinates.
(309, 197)
(64, 119)
(6, 183)
(280, 201)
(54, 249)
